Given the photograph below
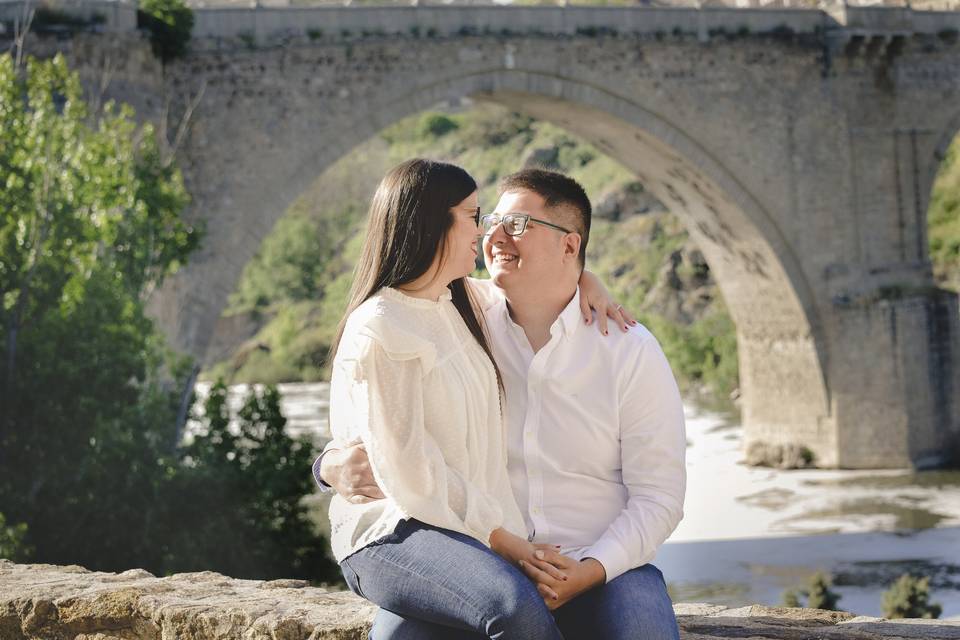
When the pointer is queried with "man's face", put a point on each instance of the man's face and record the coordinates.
(525, 263)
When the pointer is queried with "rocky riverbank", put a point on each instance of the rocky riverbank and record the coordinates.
(48, 602)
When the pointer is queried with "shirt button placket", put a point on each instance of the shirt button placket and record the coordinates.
(534, 401)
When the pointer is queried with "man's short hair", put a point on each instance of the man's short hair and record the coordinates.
(561, 193)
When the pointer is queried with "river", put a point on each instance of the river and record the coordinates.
(750, 533)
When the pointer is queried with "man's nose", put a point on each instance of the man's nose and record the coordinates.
(496, 234)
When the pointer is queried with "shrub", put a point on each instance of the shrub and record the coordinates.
(949, 35)
(170, 23)
(436, 125)
(13, 541)
(909, 598)
(791, 598)
(248, 39)
(817, 593)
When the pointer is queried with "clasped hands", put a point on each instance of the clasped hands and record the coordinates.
(559, 578)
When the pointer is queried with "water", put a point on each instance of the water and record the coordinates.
(750, 533)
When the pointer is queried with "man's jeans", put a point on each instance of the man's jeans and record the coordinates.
(450, 582)
(634, 605)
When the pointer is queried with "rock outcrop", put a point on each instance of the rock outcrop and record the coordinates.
(48, 602)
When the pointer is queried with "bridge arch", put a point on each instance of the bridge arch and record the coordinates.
(764, 286)
(803, 203)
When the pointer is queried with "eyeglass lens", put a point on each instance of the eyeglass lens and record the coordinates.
(513, 225)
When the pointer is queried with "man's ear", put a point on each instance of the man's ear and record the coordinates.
(571, 246)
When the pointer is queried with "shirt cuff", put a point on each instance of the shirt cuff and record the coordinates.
(324, 487)
(611, 555)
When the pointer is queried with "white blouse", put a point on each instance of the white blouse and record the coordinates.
(410, 381)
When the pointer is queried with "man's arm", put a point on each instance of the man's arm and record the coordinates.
(653, 461)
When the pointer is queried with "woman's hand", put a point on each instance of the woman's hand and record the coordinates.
(525, 555)
(593, 295)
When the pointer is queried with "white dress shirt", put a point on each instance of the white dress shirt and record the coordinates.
(595, 433)
(412, 383)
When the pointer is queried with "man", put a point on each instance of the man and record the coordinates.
(596, 440)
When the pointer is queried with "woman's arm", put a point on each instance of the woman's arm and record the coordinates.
(593, 297)
(386, 401)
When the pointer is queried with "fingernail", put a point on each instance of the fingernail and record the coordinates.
(556, 546)
(606, 333)
(522, 563)
(538, 554)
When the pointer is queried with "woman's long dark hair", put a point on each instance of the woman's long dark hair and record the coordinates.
(407, 227)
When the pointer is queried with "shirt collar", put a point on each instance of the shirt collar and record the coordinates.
(569, 319)
(570, 316)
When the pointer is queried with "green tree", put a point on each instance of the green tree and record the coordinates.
(909, 597)
(246, 485)
(90, 224)
(89, 469)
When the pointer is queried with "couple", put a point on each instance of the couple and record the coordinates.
(502, 470)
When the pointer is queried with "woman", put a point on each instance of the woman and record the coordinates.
(414, 379)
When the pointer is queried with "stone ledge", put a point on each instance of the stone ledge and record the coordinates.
(49, 602)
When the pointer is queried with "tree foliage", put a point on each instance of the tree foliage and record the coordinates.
(90, 472)
(944, 219)
(246, 485)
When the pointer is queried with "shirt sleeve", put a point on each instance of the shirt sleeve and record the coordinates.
(407, 463)
(323, 486)
(653, 462)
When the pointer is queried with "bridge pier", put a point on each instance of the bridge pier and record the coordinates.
(894, 383)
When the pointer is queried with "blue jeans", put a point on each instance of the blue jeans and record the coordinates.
(449, 581)
(634, 605)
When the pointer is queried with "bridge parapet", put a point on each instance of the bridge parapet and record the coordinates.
(265, 24)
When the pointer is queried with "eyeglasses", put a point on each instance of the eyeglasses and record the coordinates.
(514, 224)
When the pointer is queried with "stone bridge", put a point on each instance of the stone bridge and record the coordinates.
(799, 146)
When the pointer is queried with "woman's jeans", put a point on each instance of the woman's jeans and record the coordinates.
(449, 579)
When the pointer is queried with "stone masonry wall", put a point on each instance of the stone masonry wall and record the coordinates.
(48, 602)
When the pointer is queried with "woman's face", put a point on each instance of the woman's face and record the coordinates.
(462, 238)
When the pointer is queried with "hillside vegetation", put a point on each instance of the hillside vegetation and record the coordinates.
(293, 293)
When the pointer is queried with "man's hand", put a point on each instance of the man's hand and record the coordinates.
(580, 576)
(348, 472)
